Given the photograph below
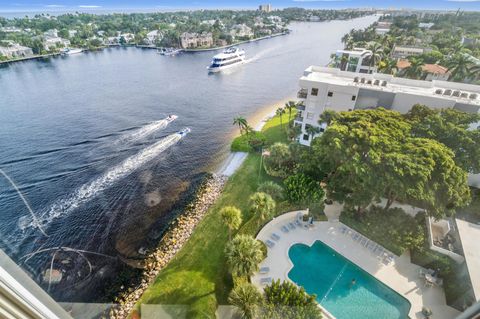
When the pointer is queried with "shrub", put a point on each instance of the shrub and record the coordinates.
(300, 188)
(286, 300)
(272, 189)
(280, 162)
(253, 141)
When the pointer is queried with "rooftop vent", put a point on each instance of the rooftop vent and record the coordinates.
(356, 79)
(362, 80)
(447, 92)
(369, 82)
(456, 93)
(473, 96)
(384, 83)
(438, 91)
(464, 95)
(377, 82)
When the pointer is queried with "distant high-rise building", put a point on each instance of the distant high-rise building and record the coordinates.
(265, 7)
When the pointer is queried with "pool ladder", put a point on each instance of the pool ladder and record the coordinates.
(334, 282)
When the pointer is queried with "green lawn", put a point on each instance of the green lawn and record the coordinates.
(197, 276)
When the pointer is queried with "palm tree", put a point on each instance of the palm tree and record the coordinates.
(311, 130)
(280, 111)
(290, 105)
(262, 204)
(248, 129)
(232, 217)
(241, 122)
(388, 66)
(475, 71)
(247, 299)
(377, 54)
(459, 67)
(243, 254)
(415, 69)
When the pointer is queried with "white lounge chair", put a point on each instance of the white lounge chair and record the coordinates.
(264, 270)
(269, 243)
(284, 229)
(275, 237)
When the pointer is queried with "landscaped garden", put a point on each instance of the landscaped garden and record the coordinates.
(362, 157)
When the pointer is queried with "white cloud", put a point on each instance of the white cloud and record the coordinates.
(85, 6)
(55, 6)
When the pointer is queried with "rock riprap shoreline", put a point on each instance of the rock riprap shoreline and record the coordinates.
(175, 237)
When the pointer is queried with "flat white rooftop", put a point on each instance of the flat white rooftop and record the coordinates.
(469, 236)
(395, 85)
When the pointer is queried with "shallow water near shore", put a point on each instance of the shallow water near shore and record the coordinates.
(80, 137)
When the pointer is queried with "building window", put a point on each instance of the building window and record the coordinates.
(330, 93)
(354, 97)
(306, 137)
(314, 91)
(310, 116)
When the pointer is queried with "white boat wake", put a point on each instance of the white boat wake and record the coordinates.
(146, 130)
(94, 188)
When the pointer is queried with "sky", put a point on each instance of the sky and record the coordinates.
(93, 5)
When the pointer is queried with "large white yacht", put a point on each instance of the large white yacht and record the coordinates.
(227, 59)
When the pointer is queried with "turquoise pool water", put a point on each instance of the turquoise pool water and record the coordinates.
(327, 274)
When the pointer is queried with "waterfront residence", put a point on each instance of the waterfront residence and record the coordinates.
(383, 28)
(323, 88)
(355, 60)
(52, 40)
(382, 282)
(241, 31)
(431, 71)
(194, 40)
(404, 51)
(153, 37)
(11, 49)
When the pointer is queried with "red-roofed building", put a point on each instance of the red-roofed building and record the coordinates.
(433, 71)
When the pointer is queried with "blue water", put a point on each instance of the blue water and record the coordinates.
(328, 275)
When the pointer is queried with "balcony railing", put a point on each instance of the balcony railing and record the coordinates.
(298, 118)
(302, 93)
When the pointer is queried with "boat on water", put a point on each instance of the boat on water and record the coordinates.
(70, 51)
(169, 51)
(229, 58)
(171, 118)
(184, 132)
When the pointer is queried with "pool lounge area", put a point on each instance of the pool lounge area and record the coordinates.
(348, 274)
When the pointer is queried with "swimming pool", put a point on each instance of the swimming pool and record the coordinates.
(343, 288)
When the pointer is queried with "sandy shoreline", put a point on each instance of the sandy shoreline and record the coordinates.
(258, 120)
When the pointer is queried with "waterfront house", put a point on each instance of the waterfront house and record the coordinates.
(383, 27)
(72, 33)
(11, 49)
(402, 52)
(241, 31)
(431, 71)
(355, 60)
(153, 37)
(53, 41)
(194, 40)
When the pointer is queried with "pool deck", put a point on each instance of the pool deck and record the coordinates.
(400, 275)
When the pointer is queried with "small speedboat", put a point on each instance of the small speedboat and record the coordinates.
(171, 118)
(184, 132)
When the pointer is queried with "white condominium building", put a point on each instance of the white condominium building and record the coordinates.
(328, 88)
(356, 60)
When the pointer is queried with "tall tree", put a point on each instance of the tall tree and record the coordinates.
(311, 130)
(459, 67)
(247, 299)
(262, 205)
(373, 154)
(452, 128)
(289, 106)
(377, 54)
(415, 69)
(279, 112)
(232, 217)
(243, 254)
(241, 122)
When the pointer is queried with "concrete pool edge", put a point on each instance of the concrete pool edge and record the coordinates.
(350, 262)
(401, 276)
